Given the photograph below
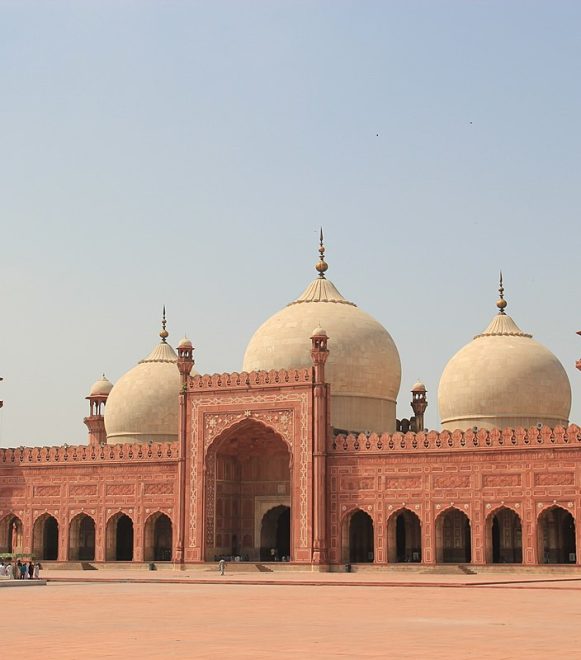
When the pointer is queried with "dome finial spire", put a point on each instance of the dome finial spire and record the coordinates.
(322, 265)
(164, 333)
(501, 302)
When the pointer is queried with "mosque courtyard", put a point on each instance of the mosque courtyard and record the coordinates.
(136, 614)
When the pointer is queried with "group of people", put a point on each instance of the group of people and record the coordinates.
(20, 570)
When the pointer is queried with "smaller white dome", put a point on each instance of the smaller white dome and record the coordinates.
(319, 332)
(143, 405)
(503, 378)
(185, 343)
(101, 387)
(419, 387)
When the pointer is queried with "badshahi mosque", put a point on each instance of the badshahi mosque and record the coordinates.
(299, 458)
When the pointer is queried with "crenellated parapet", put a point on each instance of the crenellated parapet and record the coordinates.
(481, 439)
(82, 454)
(244, 380)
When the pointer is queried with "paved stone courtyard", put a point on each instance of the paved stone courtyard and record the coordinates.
(302, 615)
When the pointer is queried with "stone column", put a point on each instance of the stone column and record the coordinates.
(319, 354)
(185, 364)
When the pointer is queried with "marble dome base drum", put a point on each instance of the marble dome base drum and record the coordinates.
(299, 458)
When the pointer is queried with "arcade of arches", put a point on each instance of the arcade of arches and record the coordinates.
(248, 495)
(266, 533)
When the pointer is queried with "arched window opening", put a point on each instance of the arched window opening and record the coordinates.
(158, 538)
(504, 543)
(404, 537)
(275, 534)
(119, 538)
(360, 538)
(11, 534)
(45, 538)
(556, 537)
(453, 538)
(82, 538)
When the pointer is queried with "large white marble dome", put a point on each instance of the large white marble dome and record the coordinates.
(363, 367)
(503, 378)
(144, 404)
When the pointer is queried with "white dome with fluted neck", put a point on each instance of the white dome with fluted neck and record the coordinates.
(101, 387)
(363, 367)
(503, 378)
(143, 404)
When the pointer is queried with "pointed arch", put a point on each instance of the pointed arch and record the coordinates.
(404, 536)
(275, 533)
(82, 538)
(119, 537)
(556, 536)
(240, 426)
(453, 537)
(11, 534)
(503, 543)
(45, 537)
(248, 471)
(357, 538)
(158, 537)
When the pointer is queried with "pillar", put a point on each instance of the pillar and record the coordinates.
(319, 355)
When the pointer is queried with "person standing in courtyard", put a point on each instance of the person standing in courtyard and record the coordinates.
(222, 566)
(36, 573)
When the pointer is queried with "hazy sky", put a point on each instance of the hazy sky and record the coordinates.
(186, 153)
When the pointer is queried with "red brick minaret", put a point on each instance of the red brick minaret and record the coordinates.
(319, 355)
(95, 422)
(185, 365)
(419, 405)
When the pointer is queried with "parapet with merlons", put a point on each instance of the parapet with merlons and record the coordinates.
(244, 380)
(83, 454)
(481, 439)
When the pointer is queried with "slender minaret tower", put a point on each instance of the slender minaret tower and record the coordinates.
(319, 355)
(419, 405)
(185, 365)
(578, 361)
(95, 422)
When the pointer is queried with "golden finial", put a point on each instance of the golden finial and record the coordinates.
(164, 333)
(322, 265)
(501, 303)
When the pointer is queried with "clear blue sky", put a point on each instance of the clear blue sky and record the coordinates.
(186, 153)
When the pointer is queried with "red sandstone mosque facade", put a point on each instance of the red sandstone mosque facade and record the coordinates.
(300, 457)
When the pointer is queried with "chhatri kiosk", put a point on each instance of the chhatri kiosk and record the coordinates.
(300, 458)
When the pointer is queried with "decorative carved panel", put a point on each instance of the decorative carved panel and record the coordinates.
(158, 489)
(452, 481)
(120, 489)
(495, 480)
(357, 483)
(280, 418)
(47, 491)
(554, 479)
(85, 490)
(402, 483)
(12, 492)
